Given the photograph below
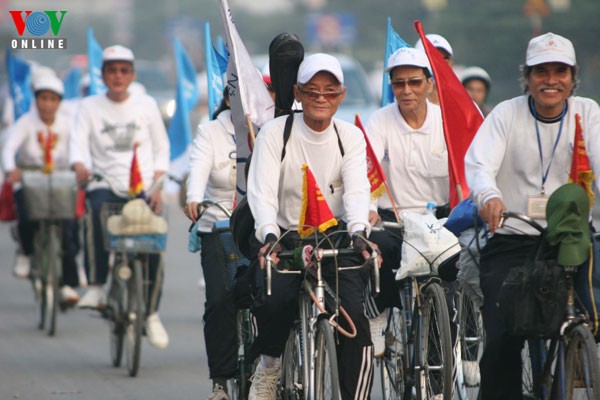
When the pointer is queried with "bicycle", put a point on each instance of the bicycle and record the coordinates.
(238, 385)
(49, 199)
(130, 250)
(309, 361)
(565, 366)
(418, 358)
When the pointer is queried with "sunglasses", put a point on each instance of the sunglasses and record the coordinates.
(314, 95)
(122, 70)
(412, 83)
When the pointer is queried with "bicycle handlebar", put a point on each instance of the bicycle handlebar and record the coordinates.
(522, 217)
(203, 206)
(382, 225)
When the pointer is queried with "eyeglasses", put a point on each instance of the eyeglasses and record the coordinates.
(413, 83)
(122, 70)
(314, 95)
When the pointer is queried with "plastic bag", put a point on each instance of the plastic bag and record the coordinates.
(426, 244)
(7, 203)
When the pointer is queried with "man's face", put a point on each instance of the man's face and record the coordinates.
(320, 96)
(47, 103)
(550, 84)
(410, 87)
(477, 90)
(447, 56)
(118, 75)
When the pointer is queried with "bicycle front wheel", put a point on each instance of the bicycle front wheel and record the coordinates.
(115, 315)
(327, 383)
(393, 360)
(291, 370)
(53, 266)
(434, 375)
(582, 373)
(135, 318)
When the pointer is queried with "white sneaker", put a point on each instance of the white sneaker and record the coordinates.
(22, 267)
(218, 393)
(94, 297)
(68, 296)
(157, 335)
(264, 383)
(471, 373)
(378, 325)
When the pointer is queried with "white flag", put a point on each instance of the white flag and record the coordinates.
(248, 94)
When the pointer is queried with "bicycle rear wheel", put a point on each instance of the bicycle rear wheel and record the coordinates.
(582, 373)
(135, 318)
(115, 316)
(393, 361)
(472, 338)
(327, 383)
(434, 375)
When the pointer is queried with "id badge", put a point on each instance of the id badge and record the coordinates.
(536, 206)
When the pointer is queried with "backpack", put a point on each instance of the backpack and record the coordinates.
(242, 220)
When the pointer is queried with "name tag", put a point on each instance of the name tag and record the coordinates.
(536, 207)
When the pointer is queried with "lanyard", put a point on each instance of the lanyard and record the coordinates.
(537, 131)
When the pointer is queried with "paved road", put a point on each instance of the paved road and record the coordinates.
(75, 364)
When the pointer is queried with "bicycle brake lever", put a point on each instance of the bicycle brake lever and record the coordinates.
(375, 258)
(268, 265)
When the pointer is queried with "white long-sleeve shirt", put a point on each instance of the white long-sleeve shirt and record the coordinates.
(213, 167)
(105, 131)
(23, 148)
(275, 187)
(415, 161)
(504, 160)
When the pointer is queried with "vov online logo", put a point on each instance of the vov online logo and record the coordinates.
(38, 24)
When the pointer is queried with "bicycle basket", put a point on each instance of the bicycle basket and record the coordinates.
(533, 298)
(49, 196)
(133, 227)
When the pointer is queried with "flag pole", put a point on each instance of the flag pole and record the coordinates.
(251, 129)
(387, 189)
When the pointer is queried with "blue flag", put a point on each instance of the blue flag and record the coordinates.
(393, 42)
(71, 83)
(216, 67)
(19, 78)
(180, 131)
(95, 64)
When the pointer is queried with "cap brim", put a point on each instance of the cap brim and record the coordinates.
(574, 253)
(548, 58)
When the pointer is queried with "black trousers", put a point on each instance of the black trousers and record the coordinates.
(500, 364)
(275, 315)
(70, 240)
(219, 310)
(98, 273)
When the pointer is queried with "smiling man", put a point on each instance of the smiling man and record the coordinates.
(521, 154)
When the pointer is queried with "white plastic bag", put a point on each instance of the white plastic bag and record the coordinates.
(426, 244)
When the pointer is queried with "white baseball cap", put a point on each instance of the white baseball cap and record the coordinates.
(474, 72)
(550, 47)
(117, 53)
(49, 82)
(319, 62)
(438, 41)
(407, 56)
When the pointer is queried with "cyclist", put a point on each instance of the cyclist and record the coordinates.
(336, 152)
(408, 139)
(212, 177)
(106, 128)
(521, 154)
(445, 49)
(478, 83)
(24, 149)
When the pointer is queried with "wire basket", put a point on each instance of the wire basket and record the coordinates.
(49, 196)
(133, 228)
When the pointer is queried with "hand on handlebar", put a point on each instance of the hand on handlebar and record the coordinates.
(374, 218)
(272, 247)
(191, 211)
(82, 174)
(491, 213)
(365, 247)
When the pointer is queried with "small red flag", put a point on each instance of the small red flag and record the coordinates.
(461, 118)
(48, 142)
(315, 212)
(374, 170)
(581, 172)
(136, 184)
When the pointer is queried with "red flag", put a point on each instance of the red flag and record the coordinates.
(48, 142)
(460, 116)
(374, 171)
(315, 211)
(581, 172)
(136, 184)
